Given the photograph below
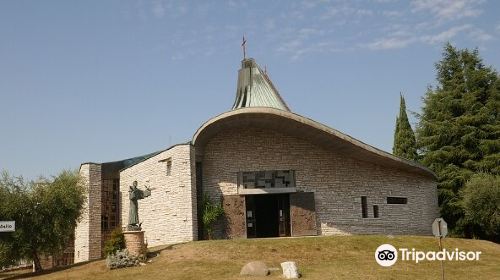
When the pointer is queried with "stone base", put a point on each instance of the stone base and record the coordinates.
(134, 242)
(133, 228)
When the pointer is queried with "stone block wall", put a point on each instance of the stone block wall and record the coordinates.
(337, 180)
(88, 230)
(169, 214)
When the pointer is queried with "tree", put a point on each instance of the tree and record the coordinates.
(11, 190)
(405, 145)
(458, 133)
(481, 204)
(45, 213)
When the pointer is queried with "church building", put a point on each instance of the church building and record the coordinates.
(275, 173)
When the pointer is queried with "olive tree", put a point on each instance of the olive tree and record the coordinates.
(45, 212)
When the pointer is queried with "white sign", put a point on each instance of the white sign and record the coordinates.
(439, 227)
(7, 226)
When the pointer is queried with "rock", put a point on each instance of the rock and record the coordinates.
(255, 268)
(290, 270)
(274, 269)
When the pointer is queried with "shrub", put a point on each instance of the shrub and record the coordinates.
(115, 243)
(211, 212)
(121, 259)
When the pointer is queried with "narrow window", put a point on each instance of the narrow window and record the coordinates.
(375, 211)
(397, 200)
(169, 167)
(364, 207)
(104, 222)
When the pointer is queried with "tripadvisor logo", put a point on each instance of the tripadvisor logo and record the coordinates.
(387, 255)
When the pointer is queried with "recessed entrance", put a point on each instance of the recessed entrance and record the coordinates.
(270, 215)
(267, 215)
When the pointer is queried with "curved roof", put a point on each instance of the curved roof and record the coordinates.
(304, 128)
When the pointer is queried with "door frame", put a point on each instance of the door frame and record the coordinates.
(283, 201)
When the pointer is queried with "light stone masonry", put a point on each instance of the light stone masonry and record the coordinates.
(88, 229)
(169, 214)
(337, 180)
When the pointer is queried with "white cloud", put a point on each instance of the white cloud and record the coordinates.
(392, 13)
(177, 56)
(364, 12)
(479, 35)
(158, 9)
(322, 26)
(448, 9)
(345, 10)
(309, 4)
(305, 41)
(236, 4)
(172, 9)
(308, 31)
(320, 47)
(269, 24)
(390, 43)
(331, 12)
(445, 35)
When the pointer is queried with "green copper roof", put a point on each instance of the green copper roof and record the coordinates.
(255, 89)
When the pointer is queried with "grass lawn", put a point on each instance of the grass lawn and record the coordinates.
(318, 258)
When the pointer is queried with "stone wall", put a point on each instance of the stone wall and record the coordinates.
(337, 180)
(169, 214)
(88, 230)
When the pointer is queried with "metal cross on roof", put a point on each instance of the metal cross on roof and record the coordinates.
(243, 45)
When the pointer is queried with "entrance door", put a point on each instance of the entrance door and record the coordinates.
(267, 215)
(284, 215)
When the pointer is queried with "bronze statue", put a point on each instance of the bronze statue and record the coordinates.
(133, 214)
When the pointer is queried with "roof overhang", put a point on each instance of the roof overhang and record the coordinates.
(303, 128)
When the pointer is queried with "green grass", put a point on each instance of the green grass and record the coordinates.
(340, 257)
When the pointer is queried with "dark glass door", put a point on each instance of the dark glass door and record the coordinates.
(267, 215)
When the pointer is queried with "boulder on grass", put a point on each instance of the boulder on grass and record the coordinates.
(255, 268)
(290, 270)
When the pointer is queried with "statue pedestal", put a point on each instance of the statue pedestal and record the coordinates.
(134, 242)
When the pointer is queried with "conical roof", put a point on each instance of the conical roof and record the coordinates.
(255, 89)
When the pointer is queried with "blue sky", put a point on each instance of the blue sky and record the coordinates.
(107, 80)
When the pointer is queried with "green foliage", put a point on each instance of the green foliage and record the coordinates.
(405, 145)
(211, 212)
(458, 133)
(115, 243)
(481, 205)
(45, 212)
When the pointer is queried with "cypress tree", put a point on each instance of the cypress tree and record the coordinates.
(458, 133)
(404, 139)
